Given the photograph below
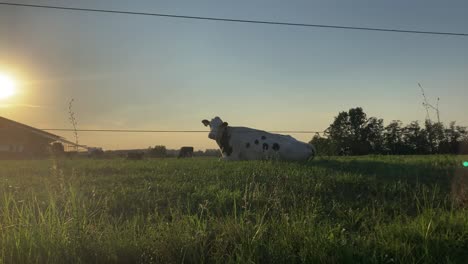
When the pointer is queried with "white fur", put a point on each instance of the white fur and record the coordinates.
(289, 148)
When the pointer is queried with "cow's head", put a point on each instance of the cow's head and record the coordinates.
(217, 127)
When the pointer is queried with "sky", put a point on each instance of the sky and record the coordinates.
(140, 72)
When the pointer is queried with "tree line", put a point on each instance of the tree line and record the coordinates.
(353, 133)
(160, 151)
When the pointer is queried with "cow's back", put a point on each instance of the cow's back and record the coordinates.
(253, 144)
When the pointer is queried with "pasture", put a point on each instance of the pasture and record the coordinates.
(370, 209)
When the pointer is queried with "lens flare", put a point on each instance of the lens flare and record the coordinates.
(465, 164)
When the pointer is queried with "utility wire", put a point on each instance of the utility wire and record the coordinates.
(162, 131)
(239, 20)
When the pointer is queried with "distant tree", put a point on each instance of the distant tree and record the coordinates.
(360, 144)
(453, 138)
(415, 139)
(435, 135)
(462, 146)
(340, 130)
(354, 132)
(324, 146)
(393, 138)
(158, 151)
(357, 121)
(372, 135)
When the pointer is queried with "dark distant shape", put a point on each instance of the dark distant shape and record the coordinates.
(57, 148)
(135, 155)
(212, 153)
(234, 143)
(185, 152)
(159, 151)
(95, 152)
(20, 141)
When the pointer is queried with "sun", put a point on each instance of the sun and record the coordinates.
(7, 86)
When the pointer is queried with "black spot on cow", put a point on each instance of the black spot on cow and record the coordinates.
(247, 145)
(263, 137)
(224, 142)
(265, 146)
(256, 142)
(276, 146)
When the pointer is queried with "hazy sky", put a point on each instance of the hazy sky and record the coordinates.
(137, 72)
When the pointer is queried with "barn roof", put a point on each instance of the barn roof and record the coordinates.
(36, 131)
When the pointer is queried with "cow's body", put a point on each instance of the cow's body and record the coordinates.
(242, 143)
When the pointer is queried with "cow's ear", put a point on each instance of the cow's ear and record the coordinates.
(205, 122)
(225, 124)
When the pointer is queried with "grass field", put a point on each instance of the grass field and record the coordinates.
(388, 209)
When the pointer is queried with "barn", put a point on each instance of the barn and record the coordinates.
(18, 140)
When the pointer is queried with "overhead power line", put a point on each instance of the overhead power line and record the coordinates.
(239, 20)
(162, 131)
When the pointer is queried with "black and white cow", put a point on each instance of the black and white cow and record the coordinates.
(243, 143)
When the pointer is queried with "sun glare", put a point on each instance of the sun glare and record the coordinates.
(7, 86)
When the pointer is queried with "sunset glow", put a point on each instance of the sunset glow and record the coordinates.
(7, 86)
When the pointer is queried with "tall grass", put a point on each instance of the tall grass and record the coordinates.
(334, 210)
